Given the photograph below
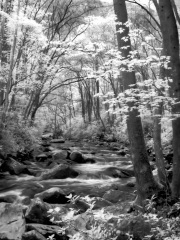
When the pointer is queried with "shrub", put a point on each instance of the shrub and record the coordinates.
(80, 130)
(103, 225)
(95, 131)
(15, 135)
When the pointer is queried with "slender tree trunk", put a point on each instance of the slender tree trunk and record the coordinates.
(97, 101)
(97, 91)
(146, 184)
(13, 102)
(89, 101)
(71, 102)
(35, 105)
(9, 81)
(158, 111)
(28, 107)
(158, 147)
(5, 48)
(55, 122)
(82, 102)
(33, 114)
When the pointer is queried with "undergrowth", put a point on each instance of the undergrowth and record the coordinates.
(103, 225)
(96, 131)
(16, 135)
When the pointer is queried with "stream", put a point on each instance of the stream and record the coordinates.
(92, 179)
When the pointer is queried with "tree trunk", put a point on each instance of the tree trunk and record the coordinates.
(28, 107)
(9, 81)
(158, 147)
(171, 47)
(55, 122)
(89, 102)
(5, 48)
(35, 105)
(157, 138)
(97, 91)
(146, 184)
(33, 114)
(82, 102)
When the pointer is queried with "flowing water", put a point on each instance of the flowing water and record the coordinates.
(91, 179)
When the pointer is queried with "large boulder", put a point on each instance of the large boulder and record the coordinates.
(89, 159)
(45, 143)
(8, 198)
(37, 212)
(82, 206)
(52, 164)
(59, 140)
(59, 154)
(14, 167)
(138, 226)
(79, 205)
(77, 157)
(41, 157)
(123, 236)
(12, 222)
(61, 171)
(53, 195)
(118, 172)
(115, 196)
(30, 189)
(33, 235)
(121, 152)
(46, 230)
(47, 136)
(101, 203)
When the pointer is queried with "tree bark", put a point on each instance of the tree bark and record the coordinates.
(5, 48)
(146, 184)
(171, 48)
(83, 111)
(35, 105)
(158, 147)
(28, 107)
(97, 91)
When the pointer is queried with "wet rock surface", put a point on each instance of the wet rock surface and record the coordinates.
(46, 230)
(60, 140)
(12, 222)
(61, 169)
(14, 167)
(33, 235)
(37, 212)
(59, 172)
(77, 157)
(53, 195)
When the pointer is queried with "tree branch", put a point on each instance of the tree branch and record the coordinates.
(146, 10)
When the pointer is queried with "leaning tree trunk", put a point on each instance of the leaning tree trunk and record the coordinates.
(171, 48)
(146, 185)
